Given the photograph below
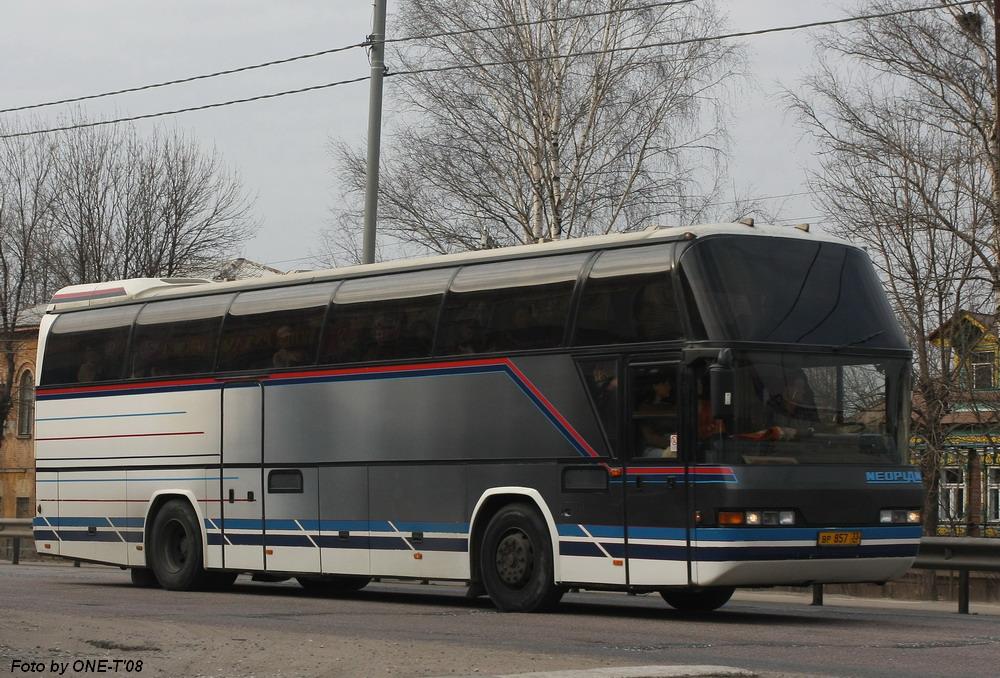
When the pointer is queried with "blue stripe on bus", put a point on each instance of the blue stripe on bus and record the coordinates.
(579, 548)
(128, 522)
(44, 535)
(84, 535)
(285, 540)
(111, 416)
(350, 542)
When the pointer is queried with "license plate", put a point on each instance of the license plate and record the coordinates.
(839, 538)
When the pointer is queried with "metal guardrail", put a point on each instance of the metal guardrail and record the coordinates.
(964, 554)
(16, 529)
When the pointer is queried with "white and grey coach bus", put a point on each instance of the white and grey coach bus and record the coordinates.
(675, 410)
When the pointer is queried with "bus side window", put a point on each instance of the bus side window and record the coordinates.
(629, 297)
(88, 347)
(390, 317)
(509, 305)
(274, 328)
(601, 377)
(177, 337)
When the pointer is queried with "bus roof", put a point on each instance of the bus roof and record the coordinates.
(116, 292)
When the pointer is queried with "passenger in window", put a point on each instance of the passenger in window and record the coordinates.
(522, 334)
(90, 368)
(387, 340)
(287, 354)
(468, 335)
(657, 414)
(148, 358)
(421, 337)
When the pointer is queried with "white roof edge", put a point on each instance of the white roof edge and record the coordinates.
(100, 294)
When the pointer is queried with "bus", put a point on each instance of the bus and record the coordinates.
(677, 410)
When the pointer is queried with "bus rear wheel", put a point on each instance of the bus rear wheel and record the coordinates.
(335, 585)
(697, 600)
(175, 553)
(515, 561)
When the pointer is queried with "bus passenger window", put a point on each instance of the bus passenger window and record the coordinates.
(88, 347)
(509, 306)
(274, 328)
(389, 317)
(177, 337)
(654, 411)
(629, 297)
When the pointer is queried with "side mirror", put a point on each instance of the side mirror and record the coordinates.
(721, 383)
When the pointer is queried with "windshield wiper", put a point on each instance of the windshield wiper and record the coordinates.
(858, 341)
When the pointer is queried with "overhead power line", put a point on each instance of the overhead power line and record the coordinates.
(259, 97)
(687, 41)
(311, 55)
(461, 67)
(179, 81)
(536, 22)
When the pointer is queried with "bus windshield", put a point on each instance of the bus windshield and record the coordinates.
(794, 408)
(786, 290)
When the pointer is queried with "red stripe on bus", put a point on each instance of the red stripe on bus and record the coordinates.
(128, 435)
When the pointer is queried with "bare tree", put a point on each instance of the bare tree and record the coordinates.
(26, 206)
(557, 132)
(132, 206)
(902, 109)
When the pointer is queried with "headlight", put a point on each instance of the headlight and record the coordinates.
(899, 516)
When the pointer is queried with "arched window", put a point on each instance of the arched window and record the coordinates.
(25, 405)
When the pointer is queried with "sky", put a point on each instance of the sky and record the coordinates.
(63, 48)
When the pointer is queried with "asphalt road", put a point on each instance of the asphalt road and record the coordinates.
(56, 613)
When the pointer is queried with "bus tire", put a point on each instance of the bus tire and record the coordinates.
(697, 600)
(336, 585)
(515, 561)
(143, 577)
(175, 553)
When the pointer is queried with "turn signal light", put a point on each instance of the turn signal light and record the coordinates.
(731, 517)
(757, 518)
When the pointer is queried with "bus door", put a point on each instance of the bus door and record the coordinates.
(656, 528)
(291, 505)
(242, 454)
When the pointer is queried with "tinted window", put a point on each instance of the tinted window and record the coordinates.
(629, 297)
(384, 318)
(87, 346)
(274, 328)
(177, 337)
(788, 290)
(510, 305)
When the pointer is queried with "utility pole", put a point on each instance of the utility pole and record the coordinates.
(377, 56)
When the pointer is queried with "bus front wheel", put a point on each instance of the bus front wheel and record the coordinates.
(697, 600)
(515, 561)
(175, 552)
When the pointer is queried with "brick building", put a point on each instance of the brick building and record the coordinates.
(17, 457)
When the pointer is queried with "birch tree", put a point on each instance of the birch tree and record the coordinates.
(557, 131)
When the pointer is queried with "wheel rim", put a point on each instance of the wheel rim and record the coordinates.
(176, 546)
(515, 558)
